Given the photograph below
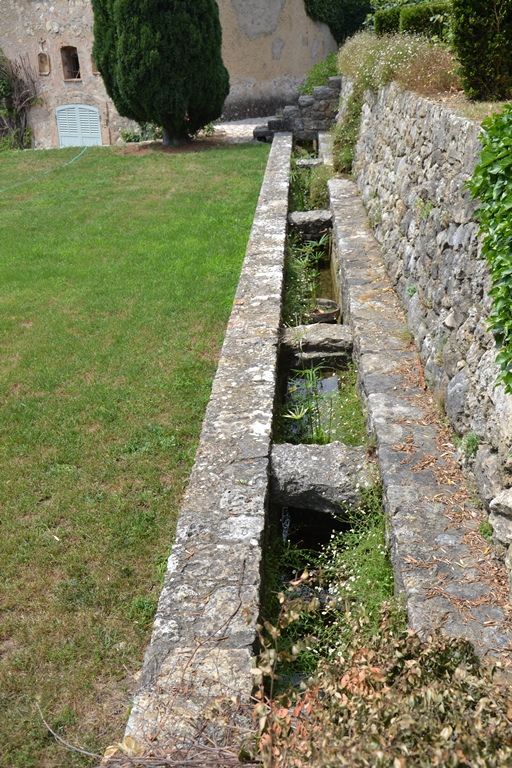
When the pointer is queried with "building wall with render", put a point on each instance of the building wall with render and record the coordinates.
(268, 45)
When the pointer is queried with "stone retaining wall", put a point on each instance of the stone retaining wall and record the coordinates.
(413, 159)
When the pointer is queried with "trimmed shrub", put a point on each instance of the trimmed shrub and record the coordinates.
(426, 19)
(344, 17)
(387, 20)
(481, 35)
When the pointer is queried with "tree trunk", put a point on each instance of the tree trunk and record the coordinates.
(168, 140)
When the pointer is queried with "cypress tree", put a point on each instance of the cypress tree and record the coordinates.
(161, 62)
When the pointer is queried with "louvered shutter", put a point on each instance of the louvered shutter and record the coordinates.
(78, 126)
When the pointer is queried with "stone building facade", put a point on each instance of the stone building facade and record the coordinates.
(267, 47)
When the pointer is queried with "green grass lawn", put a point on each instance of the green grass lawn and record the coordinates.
(117, 275)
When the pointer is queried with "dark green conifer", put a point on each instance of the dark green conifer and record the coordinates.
(161, 61)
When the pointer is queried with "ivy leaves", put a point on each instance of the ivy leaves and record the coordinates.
(492, 185)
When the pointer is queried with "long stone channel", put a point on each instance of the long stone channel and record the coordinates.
(204, 635)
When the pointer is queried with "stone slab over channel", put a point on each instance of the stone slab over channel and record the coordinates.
(324, 478)
(204, 631)
(306, 344)
(446, 576)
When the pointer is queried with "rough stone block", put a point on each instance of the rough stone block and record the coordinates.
(311, 224)
(324, 478)
(502, 503)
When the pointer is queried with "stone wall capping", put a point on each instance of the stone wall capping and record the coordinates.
(216, 561)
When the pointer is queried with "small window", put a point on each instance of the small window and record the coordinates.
(43, 61)
(94, 68)
(70, 63)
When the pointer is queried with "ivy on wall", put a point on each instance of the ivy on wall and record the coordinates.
(492, 186)
(344, 17)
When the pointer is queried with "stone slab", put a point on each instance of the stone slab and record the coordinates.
(324, 478)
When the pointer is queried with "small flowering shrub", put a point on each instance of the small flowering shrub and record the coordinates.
(319, 74)
(417, 64)
(371, 62)
(390, 700)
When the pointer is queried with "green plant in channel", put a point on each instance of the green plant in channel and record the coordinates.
(161, 62)
(301, 278)
(316, 416)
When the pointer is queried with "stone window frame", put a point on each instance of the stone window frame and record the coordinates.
(70, 63)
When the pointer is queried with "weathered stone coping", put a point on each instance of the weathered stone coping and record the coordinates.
(445, 583)
(204, 630)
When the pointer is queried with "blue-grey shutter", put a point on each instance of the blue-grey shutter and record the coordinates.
(78, 125)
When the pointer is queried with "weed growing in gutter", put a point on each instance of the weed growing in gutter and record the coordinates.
(315, 415)
(301, 278)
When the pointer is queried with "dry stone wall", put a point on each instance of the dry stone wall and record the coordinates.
(413, 159)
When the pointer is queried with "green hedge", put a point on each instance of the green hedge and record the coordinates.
(344, 17)
(492, 186)
(387, 21)
(481, 39)
(425, 19)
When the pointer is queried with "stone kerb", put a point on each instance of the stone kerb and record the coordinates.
(204, 631)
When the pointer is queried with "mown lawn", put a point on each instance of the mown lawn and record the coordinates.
(117, 275)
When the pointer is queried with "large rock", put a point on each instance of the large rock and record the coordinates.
(455, 403)
(487, 475)
(324, 478)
